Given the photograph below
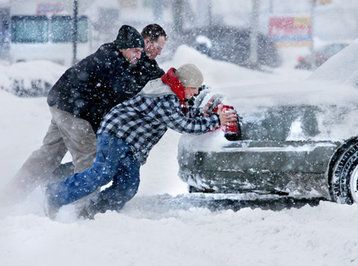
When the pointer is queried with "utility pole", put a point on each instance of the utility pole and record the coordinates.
(178, 13)
(254, 25)
(75, 31)
(313, 59)
(210, 12)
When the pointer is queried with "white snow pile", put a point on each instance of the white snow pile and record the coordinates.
(323, 235)
(156, 228)
(342, 67)
(33, 78)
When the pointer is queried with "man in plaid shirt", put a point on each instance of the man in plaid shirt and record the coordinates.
(127, 134)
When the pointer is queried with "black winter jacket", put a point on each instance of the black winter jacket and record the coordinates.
(94, 85)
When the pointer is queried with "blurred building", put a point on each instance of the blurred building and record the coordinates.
(334, 19)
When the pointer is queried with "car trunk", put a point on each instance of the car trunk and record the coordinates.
(278, 154)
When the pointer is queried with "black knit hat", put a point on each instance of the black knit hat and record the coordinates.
(128, 37)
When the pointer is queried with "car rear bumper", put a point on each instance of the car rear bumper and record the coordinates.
(293, 167)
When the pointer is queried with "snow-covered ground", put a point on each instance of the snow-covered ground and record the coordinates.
(160, 226)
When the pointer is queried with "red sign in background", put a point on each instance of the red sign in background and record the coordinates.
(290, 30)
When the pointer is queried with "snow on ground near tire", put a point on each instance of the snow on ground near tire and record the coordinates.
(164, 229)
(323, 235)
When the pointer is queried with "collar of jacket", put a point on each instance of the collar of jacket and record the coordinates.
(119, 57)
(173, 82)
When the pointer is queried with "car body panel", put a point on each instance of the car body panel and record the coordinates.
(290, 131)
(265, 159)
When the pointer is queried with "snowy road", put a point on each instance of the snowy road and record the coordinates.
(162, 225)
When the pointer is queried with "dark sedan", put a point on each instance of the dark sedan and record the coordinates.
(298, 139)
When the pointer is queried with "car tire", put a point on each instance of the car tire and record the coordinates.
(343, 173)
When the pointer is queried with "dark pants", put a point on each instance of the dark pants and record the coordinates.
(114, 162)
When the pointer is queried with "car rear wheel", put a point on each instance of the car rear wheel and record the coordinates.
(343, 176)
(353, 184)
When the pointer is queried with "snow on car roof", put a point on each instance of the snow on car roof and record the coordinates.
(331, 88)
(342, 67)
(332, 83)
(318, 93)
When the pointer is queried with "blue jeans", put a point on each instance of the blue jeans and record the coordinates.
(114, 162)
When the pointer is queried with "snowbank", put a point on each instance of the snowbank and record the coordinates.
(33, 78)
(144, 234)
(342, 67)
(156, 228)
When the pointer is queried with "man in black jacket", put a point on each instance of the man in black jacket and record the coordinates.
(84, 94)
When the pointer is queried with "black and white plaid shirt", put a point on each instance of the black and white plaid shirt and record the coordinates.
(142, 120)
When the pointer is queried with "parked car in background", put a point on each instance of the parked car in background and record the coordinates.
(229, 44)
(321, 55)
(298, 139)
